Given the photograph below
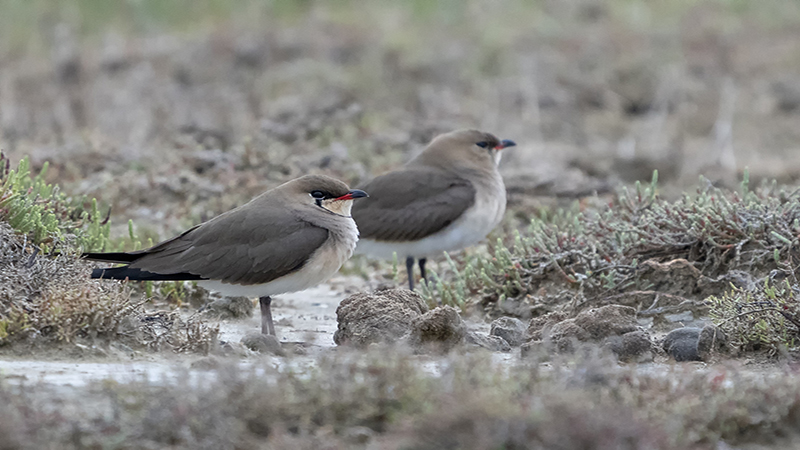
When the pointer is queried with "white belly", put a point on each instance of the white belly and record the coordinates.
(325, 262)
(469, 229)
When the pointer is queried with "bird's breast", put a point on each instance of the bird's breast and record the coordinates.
(341, 243)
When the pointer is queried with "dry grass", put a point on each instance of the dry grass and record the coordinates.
(385, 400)
(49, 299)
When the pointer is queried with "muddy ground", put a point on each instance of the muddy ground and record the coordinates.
(172, 116)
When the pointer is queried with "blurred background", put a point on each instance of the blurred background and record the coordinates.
(174, 111)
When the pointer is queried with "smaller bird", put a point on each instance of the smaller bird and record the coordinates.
(287, 239)
(449, 197)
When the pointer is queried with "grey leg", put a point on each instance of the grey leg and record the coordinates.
(410, 270)
(422, 268)
(266, 316)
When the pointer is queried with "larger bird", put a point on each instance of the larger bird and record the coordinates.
(449, 197)
(287, 239)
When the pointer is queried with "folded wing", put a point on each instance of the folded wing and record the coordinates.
(242, 246)
(411, 204)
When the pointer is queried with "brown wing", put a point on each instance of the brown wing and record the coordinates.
(242, 246)
(411, 204)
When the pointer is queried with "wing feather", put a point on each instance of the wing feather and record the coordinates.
(408, 205)
(243, 246)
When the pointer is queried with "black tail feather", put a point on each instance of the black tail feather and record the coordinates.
(118, 257)
(123, 273)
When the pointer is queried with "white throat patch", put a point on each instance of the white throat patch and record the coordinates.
(497, 156)
(340, 207)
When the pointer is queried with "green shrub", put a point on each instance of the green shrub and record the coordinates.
(767, 317)
(594, 254)
(45, 214)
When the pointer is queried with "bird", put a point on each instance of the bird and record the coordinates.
(287, 239)
(448, 197)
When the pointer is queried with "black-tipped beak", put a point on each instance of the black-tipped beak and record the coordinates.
(355, 193)
(505, 143)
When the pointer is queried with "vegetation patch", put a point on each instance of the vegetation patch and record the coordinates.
(657, 256)
(47, 300)
(385, 399)
(44, 214)
(46, 295)
(766, 317)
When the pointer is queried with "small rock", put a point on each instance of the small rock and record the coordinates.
(681, 344)
(608, 321)
(262, 343)
(441, 327)
(539, 326)
(382, 316)
(511, 329)
(712, 340)
(594, 325)
(489, 342)
(631, 347)
(564, 335)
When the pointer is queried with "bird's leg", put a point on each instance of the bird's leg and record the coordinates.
(422, 269)
(266, 316)
(410, 270)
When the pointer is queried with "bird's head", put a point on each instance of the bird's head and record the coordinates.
(466, 147)
(329, 194)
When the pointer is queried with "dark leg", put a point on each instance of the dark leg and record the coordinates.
(410, 270)
(422, 269)
(266, 316)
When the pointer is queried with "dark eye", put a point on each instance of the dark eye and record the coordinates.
(482, 144)
(318, 194)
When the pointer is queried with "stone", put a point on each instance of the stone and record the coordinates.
(634, 346)
(711, 340)
(614, 326)
(607, 321)
(441, 328)
(565, 335)
(383, 316)
(681, 344)
(538, 326)
(487, 341)
(511, 329)
(262, 343)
